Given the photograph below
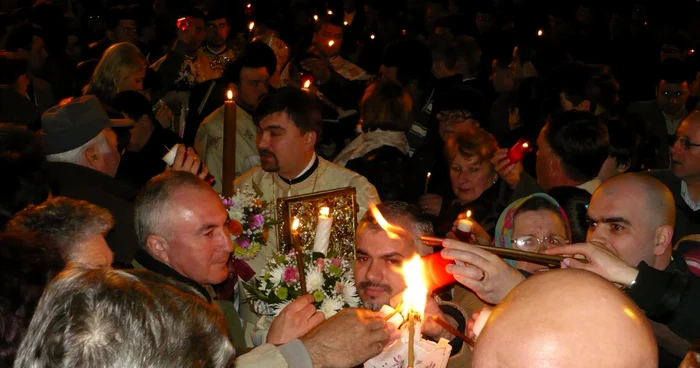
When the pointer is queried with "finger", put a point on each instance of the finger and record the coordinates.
(203, 171)
(465, 271)
(301, 302)
(467, 253)
(570, 249)
(475, 286)
(307, 312)
(180, 155)
(573, 263)
(316, 319)
(189, 159)
(376, 323)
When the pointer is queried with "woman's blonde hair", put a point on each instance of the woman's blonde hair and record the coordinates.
(477, 142)
(117, 63)
(386, 106)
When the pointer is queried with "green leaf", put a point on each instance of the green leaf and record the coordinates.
(282, 293)
(318, 296)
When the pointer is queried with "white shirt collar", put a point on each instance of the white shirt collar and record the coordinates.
(686, 197)
(308, 167)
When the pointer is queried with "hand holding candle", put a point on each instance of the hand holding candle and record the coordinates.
(170, 159)
(464, 228)
(518, 151)
(323, 231)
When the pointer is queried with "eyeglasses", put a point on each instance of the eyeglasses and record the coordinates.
(533, 244)
(455, 117)
(685, 143)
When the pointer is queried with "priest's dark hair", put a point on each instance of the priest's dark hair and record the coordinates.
(302, 108)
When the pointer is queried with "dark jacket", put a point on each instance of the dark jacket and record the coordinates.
(137, 168)
(79, 182)
(670, 297)
(17, 109)
(386, 168)
(687, 220)
(485, 210)
(430, 159)
(235, 330)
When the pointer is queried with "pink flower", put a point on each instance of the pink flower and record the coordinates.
(336, 262)
(291, 275)
(338, 287)
(321, 264)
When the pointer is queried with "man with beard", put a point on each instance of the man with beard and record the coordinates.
(249, 75)
(378, 268)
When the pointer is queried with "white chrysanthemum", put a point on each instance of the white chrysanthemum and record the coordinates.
(350, 293)
(276, 275)
(277, 308)
(331, 306)
(314, 280)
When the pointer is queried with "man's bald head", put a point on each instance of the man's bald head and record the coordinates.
(566, 318)
(655, 198)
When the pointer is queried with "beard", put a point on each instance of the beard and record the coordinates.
(269, 166)
(372, 303)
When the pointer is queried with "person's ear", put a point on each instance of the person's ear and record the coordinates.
(624, 167)
(93, 157)
(158, 247)
(310, 140)
(663, 239)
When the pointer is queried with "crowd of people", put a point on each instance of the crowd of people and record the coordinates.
(561, 127)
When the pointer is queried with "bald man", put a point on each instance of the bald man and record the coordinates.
(630, 243)
(566, 318)
(683, 179)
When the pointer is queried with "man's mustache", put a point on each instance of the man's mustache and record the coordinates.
(264, 152)
(367, 284)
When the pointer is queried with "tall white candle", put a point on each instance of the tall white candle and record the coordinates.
(323, 231)
(169, 157)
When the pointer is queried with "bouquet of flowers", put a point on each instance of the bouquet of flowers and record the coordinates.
(250, 219)
(329, 279)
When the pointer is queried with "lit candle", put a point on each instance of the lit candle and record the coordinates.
(331, 43)
(395, 317)
(540, 32)
(306, 85)
(517, 152)
(323, 231)
(371, 36)
(316, 17)
(345, 23)
(427, 182)
(299, 254)
(464, 228)
(169, 160)
(229, 158)
(330, 12)
(251, 26)
(249, 5)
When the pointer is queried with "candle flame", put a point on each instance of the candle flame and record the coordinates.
(315, 17)
(331, 43)
(251, 26)
(427, 176)
(371, 36)
(295, 224)
(249, 5)
(325, 211)
(469, 213)
(392, 231)
(345, 23)
(526, 145)
(416, 293)
(539, 32)
(330, 12)
(229, 95)
(307, 84)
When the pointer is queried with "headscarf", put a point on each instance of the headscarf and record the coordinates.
(503, 235)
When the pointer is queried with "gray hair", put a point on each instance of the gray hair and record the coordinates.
(407, 216)
(152, 204)
(124, 318)
(66, 221)
(77, 155)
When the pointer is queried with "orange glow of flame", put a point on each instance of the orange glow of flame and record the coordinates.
(249, 5)
(307, 84)
(229, 94)
(526, 145)
(539, 32)
(316, 17)
(295, 225)
(469, 213)
(251, 26)
(371, 36)
(331, 43)
(416, 294)
(345, 23)
(325, 212)
(392, 231)
(330, 12)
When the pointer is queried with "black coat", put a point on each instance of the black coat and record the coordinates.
(83, 183)
(386, 168)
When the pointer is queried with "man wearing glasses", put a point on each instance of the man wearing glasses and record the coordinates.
(683, 179)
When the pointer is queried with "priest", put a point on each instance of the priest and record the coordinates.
(288, 123)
